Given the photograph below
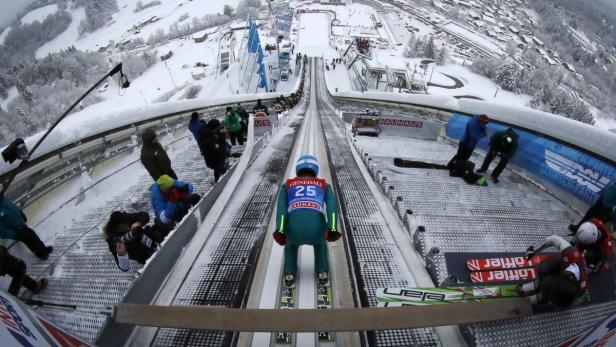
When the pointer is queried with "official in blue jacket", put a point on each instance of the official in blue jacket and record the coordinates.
(194, 125)
(13, 226)
(171, 199)
(475, 130)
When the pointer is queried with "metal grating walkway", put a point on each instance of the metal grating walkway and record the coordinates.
(462, 218)
(82, 273)
(221, 273)
(375, 253)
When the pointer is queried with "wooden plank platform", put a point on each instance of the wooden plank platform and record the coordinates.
(313, 320)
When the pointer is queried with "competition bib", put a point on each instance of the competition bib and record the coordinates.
(306, 193)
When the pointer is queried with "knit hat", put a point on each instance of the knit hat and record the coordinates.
(165, 182)
(213, 124)
(148, 136)
(483, 119)
(194, 115)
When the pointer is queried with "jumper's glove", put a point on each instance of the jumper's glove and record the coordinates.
(332, 236)
(280, 238)
(594, 269)
(530, 252)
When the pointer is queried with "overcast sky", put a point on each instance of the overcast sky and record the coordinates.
(10, 9)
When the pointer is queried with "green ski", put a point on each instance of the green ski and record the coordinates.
(445, 295)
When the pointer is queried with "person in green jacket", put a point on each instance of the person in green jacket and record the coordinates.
(503, 144)
(306, 215)
(233, 121)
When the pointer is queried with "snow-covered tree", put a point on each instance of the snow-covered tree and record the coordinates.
(24, 92)
(429, 49)
(443, 56)
(227, 10)
(507, 76)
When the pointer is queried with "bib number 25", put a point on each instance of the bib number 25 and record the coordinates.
(306, 191)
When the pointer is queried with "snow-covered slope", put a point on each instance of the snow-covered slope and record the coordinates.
(66, 38)
(39, 14)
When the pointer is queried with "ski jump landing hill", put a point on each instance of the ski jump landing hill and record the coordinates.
(560, 169)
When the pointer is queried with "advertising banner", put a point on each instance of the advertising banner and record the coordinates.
(20, 326)
(264, 124)
(579, 174)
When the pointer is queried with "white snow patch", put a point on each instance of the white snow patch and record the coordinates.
(66, 38)
(314, 35)
(12, 94)
(39, 14)
(5, 32)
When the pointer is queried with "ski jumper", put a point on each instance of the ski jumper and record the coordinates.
(570, 260)
(306, 209)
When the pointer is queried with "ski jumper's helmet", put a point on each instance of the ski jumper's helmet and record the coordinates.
(587, 233)
(309, 162)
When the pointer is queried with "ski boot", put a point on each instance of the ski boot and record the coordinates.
(289, 280)
(40, 285)
(323, 278)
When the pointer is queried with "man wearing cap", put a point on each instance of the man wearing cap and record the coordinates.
(475, 130)
(306, 215)
(213, 145)
(153, 156)
(171, 199)
(503, 144)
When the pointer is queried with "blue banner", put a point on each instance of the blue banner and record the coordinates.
(580, 174)
(253, 38)
(262, 77)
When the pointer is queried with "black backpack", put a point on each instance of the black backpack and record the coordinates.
(464, 169)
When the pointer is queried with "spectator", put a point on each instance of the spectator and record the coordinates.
(194, 125)
(594, 241)
(604, 208)
(171, 200)
(233, 123)
(154, 158)
(475, 130)
(13, 226)
(244, 116)
(503, 144)
(16, 268)
(213, 145)
(259, 107)
(129, 237)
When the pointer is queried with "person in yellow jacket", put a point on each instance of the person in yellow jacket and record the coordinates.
(306, 215)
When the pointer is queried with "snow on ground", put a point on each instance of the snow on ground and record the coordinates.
(474, 85)
(169, 12)
(5, 32)
(39, 14)
(314, 36)
(67, 38)
(355, 15)
(12, 94)
(605, 123)
(338, 79)
(472, 36)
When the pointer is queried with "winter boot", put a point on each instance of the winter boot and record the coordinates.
(289, 280)
(41, 285)
(495, 180)
(323, 278)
